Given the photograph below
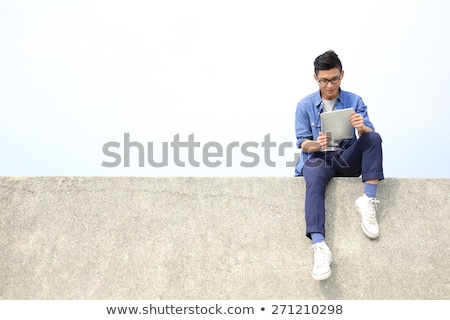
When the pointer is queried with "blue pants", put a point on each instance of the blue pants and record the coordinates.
(364, 157)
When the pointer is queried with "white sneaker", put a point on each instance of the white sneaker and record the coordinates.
(367, 207)
(322, 261)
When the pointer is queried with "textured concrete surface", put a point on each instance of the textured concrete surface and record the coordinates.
(216, 238)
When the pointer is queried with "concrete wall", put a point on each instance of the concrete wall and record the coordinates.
(216, 238)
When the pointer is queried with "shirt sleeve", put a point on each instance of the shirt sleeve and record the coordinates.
(361, 108)
(303, 128)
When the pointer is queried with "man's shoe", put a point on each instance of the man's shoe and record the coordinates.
(367, 208)
(322, 261)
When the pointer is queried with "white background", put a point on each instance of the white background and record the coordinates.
(75, 75)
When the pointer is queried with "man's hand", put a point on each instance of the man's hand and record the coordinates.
(323, 140)
(310, 146)
(357, 122)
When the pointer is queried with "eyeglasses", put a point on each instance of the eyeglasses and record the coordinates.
(324, 82)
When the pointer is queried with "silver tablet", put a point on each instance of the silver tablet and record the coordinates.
(336, 123)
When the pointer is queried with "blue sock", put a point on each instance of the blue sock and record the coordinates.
(317, 237)
(370, 190)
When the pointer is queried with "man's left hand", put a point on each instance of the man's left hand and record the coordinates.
(357, 121)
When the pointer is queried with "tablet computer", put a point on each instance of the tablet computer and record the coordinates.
(336, 123)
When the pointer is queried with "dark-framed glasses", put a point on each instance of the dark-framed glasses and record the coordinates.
(334, 80)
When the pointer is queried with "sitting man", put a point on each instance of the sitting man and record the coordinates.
(322, 159)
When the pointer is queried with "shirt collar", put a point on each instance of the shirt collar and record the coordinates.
(318, 99)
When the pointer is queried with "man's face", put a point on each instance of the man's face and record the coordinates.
(329, 82)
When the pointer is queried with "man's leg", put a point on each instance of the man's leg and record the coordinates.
(317, 173)
(365, 155)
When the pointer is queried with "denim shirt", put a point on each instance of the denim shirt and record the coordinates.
(307, 120)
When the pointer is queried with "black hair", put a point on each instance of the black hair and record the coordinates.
(326, 61)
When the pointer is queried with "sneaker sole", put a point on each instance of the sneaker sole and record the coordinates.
(320, 277)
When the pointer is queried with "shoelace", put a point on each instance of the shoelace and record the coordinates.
(371, 210)
(320, 257)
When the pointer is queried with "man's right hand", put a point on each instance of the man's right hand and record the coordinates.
(323, 140)
(310, 146)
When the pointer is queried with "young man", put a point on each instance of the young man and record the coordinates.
(322, 159)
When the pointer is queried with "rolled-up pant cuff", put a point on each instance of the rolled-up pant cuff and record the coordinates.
(313, 229)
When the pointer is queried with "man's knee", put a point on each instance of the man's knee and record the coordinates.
(313, 167)
(372, 137)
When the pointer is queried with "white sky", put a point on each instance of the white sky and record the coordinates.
(75, 75)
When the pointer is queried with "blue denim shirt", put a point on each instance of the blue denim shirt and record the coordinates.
(307, 120)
